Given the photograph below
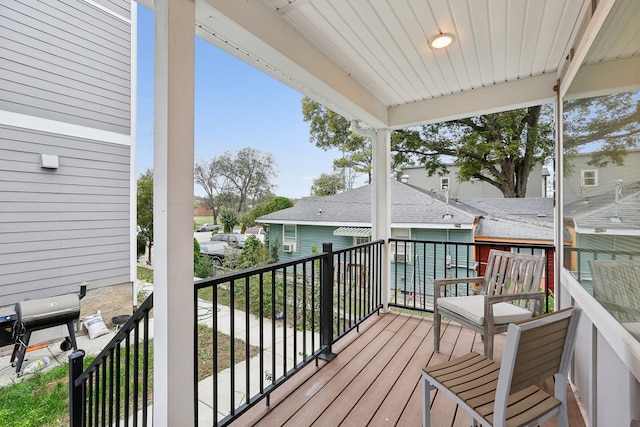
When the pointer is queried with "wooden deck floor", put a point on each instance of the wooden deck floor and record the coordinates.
(374, 380)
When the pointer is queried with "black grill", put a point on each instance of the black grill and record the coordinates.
(33, 315)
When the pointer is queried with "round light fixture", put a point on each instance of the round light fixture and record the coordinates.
(441, 41)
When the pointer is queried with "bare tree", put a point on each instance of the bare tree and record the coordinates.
(249, 173)
(210, 177)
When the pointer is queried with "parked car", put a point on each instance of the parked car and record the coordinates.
(207, 227)
(232, 239)
(218, 251)
(259, 232)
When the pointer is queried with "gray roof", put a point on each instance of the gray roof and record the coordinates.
(534, 209)
(409, 205)
(523, 219)
(609, 216)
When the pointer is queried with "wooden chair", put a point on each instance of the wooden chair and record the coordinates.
(508, 292)
(616, 286)
(507, 394)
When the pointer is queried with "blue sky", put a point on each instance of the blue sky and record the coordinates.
(236, 106)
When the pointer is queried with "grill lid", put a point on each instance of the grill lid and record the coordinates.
(48, 311)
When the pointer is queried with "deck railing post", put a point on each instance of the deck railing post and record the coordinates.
(76, 393)
(326, 303)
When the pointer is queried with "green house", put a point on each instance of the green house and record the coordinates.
(345, 219)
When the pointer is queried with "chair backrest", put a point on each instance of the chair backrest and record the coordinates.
(512, 273)
(617, 282)
(536, 349)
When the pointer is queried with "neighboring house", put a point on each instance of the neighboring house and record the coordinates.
(345, 219)
(67, 192)
(418, 176)
(600, 225)
(527, 221)
(585, 181)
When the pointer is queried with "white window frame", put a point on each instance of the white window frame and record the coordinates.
(286, 235)
(589, 175)
(445, 182)
(358, 240)
(399, 247)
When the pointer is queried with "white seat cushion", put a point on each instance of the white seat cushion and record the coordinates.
(472, 307)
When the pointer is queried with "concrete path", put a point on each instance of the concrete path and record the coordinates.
(274, 346)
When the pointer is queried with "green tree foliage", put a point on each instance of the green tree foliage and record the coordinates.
(500, 149)
(145, 209)
(328, 184)
(202, 266)
(228, 218)
(611, 122)
(276, 204)
(253, 254)
(328, 130)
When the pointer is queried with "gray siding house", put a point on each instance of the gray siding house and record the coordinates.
(67, 208)
(418, 176)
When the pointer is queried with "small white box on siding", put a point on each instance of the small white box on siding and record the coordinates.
(49, 161)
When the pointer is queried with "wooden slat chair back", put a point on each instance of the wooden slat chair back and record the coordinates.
(508, 292)
(508, 394)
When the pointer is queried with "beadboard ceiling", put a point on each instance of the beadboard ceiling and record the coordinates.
(370, 59)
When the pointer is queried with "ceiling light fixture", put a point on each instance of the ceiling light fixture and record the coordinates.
(441, 41)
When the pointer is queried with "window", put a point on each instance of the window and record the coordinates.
(401, 251)
(289, 237)
(589, 178)
(444, 182)
(359, 240)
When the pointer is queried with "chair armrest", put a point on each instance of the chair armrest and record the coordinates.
(440, 283)
(495, 299)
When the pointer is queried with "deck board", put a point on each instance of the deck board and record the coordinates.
(375, 379)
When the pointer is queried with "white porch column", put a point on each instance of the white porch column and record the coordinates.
(173, 399)
(381, 201)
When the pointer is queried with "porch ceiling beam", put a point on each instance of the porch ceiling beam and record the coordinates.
(251, 32)
(606, 78)
(500, 97)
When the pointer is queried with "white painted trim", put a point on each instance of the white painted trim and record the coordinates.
(365, 224)
(491, 99)
(24, 121)
(111, 12)
(607, 232)
(133, 173)
(582, 49)
(626, 347)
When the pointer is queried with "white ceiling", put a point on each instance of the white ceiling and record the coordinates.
(370, 59)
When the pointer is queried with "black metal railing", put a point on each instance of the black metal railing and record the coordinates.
(254, 329)
(415, 264)
(280, 317)
(576, 261)
(116, 387)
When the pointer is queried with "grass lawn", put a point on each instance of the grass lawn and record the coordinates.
(145, 274)
(199, 220)
(42, 399)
